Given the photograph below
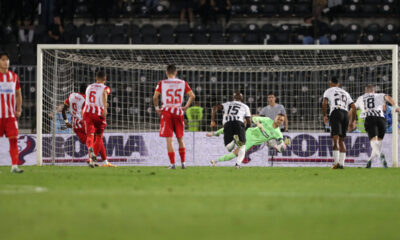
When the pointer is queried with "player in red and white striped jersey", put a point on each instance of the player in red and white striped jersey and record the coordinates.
(10, 108)
(172, 91)
(94, 116)
(75, 103)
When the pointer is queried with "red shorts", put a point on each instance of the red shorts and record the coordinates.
(9, 126)
(171, 123)
(94, 123)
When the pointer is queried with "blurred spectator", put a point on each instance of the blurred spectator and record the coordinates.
(273, 109)
(186, 6)
(223, 7)
(26, 32)
(56, 31)
(316, 29)
(318, 6)
(207, 11)
(59, 120)
(357, 126)
(151, 4)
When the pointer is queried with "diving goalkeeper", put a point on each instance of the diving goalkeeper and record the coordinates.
(267, 131)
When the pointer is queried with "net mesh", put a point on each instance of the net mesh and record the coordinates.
(298, 79)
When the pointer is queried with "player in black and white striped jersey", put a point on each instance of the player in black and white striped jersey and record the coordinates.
(236, 114)
(371, 105)
(339, 101)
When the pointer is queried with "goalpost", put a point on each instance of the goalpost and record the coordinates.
(296, 74)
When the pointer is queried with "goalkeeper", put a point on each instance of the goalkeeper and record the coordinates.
(267, 131)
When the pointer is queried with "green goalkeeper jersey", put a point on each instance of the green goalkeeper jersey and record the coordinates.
(255, 136)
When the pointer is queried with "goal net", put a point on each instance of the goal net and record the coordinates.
(296, 75)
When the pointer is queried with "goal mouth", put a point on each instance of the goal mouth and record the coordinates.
(296, 74)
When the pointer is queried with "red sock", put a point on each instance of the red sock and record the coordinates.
(89, 141)
(103, 153)
(14, 150)
(182, 153)
(96, 145)
(171, 156)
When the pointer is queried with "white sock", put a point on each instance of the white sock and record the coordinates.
(230, 146)
(242, 152)
(105, 161)
(379, 148)
(375, 150)
(335, 154)
(14, 166)
(342, 158)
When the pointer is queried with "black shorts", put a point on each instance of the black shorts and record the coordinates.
(375, 127)
(339, 121)
(232, 128)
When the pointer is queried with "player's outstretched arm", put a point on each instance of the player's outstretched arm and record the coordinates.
(353, 112)
(190, 101)
(18, 108)
(390, 100)
(213, 112)
(64, 115)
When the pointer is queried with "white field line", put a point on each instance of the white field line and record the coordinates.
(21, 189)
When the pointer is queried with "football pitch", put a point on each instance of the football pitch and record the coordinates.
(199, 203)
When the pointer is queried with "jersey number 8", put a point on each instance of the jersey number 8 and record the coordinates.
(369, 102)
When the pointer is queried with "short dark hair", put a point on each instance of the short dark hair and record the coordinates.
(237, 95)
(280, 114)
(100, 74)
(271, 93)
(4, 53)
(334, 80)
(370, 87)
(82, 88)
(171, 69)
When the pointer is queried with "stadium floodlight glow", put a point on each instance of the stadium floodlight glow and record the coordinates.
(297, 74)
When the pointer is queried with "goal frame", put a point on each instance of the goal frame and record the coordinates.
(41, 47)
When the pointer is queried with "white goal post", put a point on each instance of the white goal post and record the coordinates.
(297, 72)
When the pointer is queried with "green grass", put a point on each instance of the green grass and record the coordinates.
(199, 203)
